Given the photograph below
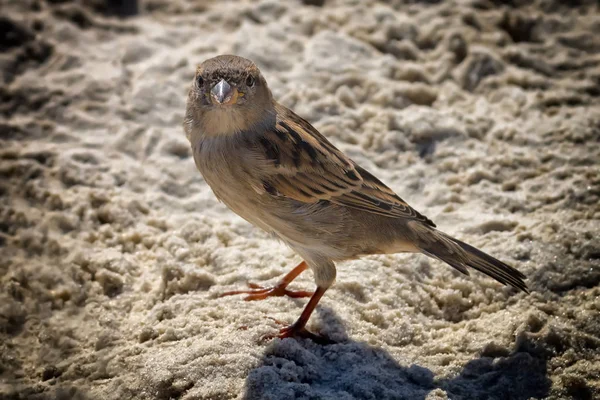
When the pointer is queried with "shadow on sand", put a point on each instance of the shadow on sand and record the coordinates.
(301, 369)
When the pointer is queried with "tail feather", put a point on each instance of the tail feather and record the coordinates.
(460, 255)
(453, 263)
(493, 267)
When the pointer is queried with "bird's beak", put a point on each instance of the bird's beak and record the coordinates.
(224, 93)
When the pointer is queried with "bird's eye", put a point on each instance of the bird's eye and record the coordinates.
(200, 80)
(250, 81)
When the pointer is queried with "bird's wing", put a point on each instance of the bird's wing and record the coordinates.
(305, 166)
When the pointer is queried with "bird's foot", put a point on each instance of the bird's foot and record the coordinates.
(295, 330)
(257, 292)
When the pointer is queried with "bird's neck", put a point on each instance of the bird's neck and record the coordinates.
(229, 121)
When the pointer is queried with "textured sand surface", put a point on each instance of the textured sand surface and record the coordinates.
(483, 115)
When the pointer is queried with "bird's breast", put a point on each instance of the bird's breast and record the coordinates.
(225, 169)
(230, 171)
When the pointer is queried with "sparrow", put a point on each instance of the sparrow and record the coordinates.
(275, 170)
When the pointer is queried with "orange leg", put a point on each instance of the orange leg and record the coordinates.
(298, 328)
(257, 292)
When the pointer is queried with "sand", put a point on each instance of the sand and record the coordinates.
(484, 115)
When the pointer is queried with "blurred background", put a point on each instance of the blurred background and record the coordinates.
(484, 115)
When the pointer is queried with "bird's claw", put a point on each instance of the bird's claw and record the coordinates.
(296, 331)
(257, 292)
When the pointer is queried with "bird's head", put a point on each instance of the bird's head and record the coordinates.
(229, 95)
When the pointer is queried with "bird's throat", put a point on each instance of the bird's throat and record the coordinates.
(223, 121)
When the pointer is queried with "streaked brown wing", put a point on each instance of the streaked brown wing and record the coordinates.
(308, 168)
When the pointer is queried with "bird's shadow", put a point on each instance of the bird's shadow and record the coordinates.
(302, 369)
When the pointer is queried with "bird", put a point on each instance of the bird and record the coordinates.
(278, 172)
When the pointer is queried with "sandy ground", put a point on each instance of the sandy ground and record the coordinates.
(484, 115)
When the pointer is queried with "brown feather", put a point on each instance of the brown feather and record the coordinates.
(308, 168)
